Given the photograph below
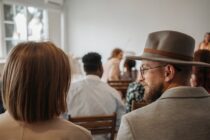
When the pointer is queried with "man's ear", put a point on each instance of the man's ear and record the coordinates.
(169, 73)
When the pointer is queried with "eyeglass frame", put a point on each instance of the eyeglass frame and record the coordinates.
(143, 69)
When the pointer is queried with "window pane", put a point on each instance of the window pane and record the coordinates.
(20, 23)
(35, 24)
(9, 30)
(9, 45)
(8, 12)
(19, 9)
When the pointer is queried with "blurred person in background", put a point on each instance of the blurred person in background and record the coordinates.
(112, 66)
(201, 75)
(205, 44)
(129, 70)
(135, 92)
(77, 72)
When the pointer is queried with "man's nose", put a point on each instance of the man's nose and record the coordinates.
(140, 77)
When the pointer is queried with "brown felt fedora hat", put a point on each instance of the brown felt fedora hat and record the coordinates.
(171, 47)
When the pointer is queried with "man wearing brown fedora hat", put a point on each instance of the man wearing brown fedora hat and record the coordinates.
(177, 111)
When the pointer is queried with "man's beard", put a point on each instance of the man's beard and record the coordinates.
(153, 94)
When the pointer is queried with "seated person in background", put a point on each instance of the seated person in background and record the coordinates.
(135, 92)
(205, 44)
(36, 80)
(112, 66)
(201, 75)
(129, 71)
(92, 96)
(76, 68)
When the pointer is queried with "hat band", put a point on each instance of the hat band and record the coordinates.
(168, 54)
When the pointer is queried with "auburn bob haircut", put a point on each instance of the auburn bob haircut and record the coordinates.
(36, 80)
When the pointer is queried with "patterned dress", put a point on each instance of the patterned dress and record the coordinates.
(135, 92)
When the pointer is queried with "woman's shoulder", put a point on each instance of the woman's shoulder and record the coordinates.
(114, 60)
(73, 130)
(203, 45)
(60, 127)
(54, 129)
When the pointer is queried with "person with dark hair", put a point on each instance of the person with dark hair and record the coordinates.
(36, 79)
(112, 66)
(201, 75)
(129, 71)
(91, 96)
(92, 64)
(205, 44)
(176, 111)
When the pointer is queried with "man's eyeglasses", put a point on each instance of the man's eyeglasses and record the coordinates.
(143, 69)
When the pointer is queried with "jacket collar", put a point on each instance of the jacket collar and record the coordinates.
(185, 92)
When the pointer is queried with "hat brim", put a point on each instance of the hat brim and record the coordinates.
(170, 61)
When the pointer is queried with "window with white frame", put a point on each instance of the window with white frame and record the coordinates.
(22, 23)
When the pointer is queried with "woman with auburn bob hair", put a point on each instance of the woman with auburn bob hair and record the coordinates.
(36, 80)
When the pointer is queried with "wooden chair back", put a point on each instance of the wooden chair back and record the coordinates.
(121, 86)
(137, 104)
(105, 124)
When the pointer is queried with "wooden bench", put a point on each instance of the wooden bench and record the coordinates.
(121, 86)
(104, 124)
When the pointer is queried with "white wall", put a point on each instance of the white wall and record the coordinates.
(101, 25)
(55, 27)
(1, 69)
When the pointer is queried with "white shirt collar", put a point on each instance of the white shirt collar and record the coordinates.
(93, 77)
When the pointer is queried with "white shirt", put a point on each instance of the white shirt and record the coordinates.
(91, 96)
